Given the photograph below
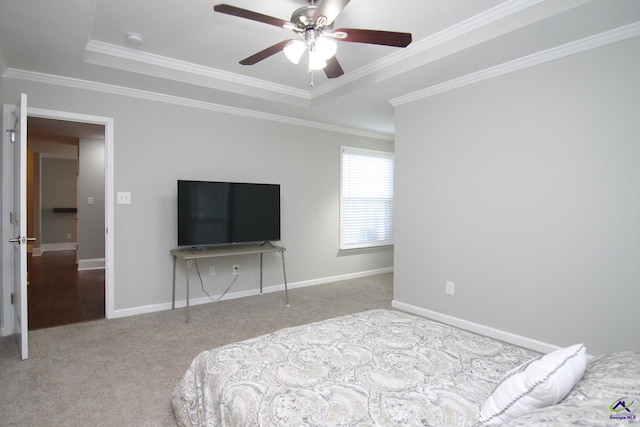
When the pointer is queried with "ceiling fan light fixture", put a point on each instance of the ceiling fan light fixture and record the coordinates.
(326, 47)
(294, 50)
(316, 61)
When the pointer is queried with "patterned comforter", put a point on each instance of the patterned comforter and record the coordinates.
(379, 367)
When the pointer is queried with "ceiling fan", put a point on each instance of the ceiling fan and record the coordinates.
(313, 26)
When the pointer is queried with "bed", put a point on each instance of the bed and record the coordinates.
(385, 367)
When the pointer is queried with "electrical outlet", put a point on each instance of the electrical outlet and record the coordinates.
(236, 270)
(450, 288)
(212, 270)
(68, 236)
(123, 198)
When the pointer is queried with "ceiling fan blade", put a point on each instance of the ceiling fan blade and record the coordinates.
(333, 68)
(386, 38)
(264, 54)
(330, 9)
(254, 16)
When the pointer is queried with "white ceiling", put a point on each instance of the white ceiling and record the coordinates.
(191, 52)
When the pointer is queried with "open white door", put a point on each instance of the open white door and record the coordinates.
(19, 225)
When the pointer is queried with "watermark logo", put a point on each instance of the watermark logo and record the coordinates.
(621, 409)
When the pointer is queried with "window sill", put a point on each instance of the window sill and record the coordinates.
(364, 250)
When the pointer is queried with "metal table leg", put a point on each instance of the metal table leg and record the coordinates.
(189, 262)
(260, 273)
(284, 274)
(173, 298)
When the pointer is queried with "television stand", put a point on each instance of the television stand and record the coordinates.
(188, 255)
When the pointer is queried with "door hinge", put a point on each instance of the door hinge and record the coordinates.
(13, 299)
(12, 135)
(11, 218)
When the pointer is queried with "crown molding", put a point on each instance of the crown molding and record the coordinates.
(185, 102)
(559, 52)
(480, 20)
(107, 50)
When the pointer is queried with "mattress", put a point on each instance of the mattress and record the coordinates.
(378, 367)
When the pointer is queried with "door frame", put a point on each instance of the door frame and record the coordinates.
(108, 123)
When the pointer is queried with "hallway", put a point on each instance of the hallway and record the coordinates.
(58, 294)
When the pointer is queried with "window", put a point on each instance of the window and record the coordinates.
(366, 198)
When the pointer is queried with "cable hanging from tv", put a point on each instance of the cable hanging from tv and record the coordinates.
(205, 291)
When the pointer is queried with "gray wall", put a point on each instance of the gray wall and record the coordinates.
(157, 143)
(58, 190)
(523, 190)
(91, 185)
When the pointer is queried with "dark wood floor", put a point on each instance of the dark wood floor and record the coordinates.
(58, 294)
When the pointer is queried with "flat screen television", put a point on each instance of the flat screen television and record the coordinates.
(214, 213)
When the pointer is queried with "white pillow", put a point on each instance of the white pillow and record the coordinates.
(540, 382)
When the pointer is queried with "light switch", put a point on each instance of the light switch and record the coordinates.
(124, 198)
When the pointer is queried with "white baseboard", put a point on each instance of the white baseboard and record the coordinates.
(518, 340)
(332, 279)
(48, 247)
(125, 312)
(192, 302)
(91, 264)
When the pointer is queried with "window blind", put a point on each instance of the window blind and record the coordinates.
(366, 198)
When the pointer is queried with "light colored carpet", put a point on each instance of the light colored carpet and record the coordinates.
(122, 372)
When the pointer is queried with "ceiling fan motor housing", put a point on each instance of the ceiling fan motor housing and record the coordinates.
(303, 19)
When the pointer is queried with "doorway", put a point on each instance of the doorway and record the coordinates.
(66, 214)
(10, 322)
